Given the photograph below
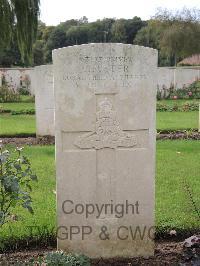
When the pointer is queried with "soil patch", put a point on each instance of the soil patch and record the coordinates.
(47, 140)
(166, 253)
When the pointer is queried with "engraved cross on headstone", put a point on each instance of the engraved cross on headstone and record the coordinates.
(107, 138)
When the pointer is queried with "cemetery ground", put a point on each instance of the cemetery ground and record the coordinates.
(177, 186)
(177, 165)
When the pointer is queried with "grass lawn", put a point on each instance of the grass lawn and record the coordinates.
(17, 106)
(177, 120)
(44, 200)
(11, 125)
(27, 98)
(176, 160)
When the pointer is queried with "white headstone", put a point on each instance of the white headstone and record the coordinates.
(105, 100)
(17, 78)
(44, 100)
(185, 76)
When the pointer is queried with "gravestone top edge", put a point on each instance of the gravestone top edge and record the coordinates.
(16, 68)
(43, 66)
(55, 51)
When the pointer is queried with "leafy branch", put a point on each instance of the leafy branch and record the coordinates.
(16, 177)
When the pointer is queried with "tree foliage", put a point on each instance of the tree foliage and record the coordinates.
(175, 34)
(57, 39)
(19, 17)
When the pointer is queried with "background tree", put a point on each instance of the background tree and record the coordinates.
(149, 36)
(175, 34)
(181, 33)
(118, 31)
(57, 39)
(100, 30)
(38, 52)
(77, 35)
(10, 56)
(22, 17)
(39, 46)
(132, 27)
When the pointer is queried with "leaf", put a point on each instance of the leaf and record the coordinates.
(17, 166)
(14, 185)
(29, 187)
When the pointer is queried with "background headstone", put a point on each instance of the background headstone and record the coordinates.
(105, 103)
(17, 78)
(177, 77)
(42, 81)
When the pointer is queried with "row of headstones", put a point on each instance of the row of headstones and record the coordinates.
(177, 77)
(168, 77)
(44, 100)
(42, 81)
(105, 103)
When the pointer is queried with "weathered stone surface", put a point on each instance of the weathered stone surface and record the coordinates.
(185, 76)
(44, 100)
(105, 102)
(176, 77)
(18, 77)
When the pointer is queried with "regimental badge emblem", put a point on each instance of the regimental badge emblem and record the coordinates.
(108, 132)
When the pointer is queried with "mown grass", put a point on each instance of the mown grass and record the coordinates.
(27, 98)
(176, 161)
(11, 125)
(17, 106)
(177, 120)
(16, 125)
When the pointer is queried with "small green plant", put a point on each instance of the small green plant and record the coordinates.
(28, 98)
(190, 92)
(59, 258)
(186, 107)
(23, 112)
(19, 112)
(159, 94)
(25, 83)
(15, 183)
(23, 90)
